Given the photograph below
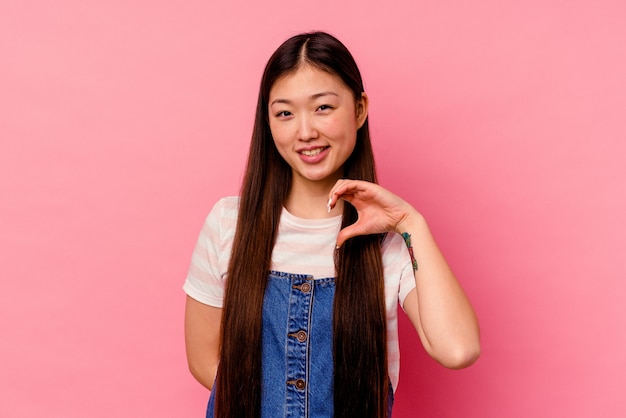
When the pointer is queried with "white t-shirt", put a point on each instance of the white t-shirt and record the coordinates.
(303, 246)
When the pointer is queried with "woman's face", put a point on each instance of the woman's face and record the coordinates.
(314, 118)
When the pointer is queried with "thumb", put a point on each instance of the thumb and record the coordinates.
(346, 233)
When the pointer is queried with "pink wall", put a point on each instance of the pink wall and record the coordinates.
(121, 122)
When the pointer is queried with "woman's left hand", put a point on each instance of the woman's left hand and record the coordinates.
(437, 307)
(379, 210)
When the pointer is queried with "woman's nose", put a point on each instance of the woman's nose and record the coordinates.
(306, 129)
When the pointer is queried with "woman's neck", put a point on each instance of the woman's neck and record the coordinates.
(309, 200)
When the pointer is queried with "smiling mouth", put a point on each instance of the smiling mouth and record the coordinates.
(312, 152)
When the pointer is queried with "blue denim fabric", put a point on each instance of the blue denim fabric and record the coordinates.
(297, 351)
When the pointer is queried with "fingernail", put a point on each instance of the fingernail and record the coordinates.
(328, 205)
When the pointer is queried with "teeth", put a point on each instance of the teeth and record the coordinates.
(312, 152)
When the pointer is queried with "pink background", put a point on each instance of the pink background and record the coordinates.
(122, 122)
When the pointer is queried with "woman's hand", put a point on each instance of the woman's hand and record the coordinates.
(379, 210)
(437, 307)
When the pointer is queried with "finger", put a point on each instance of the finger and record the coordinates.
(336, 191)
(344, 235)
(343, 189)
(348, 232)
(344, 186)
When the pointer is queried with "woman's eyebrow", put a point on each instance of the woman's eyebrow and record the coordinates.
(322, 94)
(312, 97)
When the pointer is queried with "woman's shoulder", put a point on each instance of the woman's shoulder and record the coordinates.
(224, 213)
(394, 252)
(227, 202)
(393, 244)
(225, 205)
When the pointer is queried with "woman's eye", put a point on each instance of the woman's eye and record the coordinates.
(283, 114)
(324, 107)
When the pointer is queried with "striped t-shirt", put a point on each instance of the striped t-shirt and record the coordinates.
(303, 246)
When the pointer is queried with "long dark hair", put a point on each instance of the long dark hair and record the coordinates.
(359, 320)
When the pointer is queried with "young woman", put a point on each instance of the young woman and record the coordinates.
(294, 286)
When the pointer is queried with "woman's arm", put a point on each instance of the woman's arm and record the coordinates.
(437, 307)
(202, 338)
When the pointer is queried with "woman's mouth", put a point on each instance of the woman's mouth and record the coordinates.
(312, 152)
(314, 155)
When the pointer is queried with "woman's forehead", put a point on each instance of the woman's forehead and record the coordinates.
(307, 82)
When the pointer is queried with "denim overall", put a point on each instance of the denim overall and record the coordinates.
(297, 348)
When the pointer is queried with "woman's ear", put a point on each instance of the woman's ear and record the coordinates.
(361, 110)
